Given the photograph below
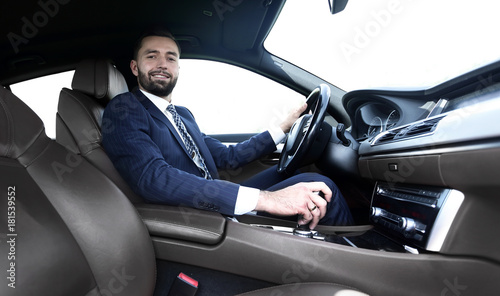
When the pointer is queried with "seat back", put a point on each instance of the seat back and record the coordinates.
(79, 115)
(71, 230)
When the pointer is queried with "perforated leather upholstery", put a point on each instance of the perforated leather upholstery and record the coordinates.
(75, 232)
(79, 115)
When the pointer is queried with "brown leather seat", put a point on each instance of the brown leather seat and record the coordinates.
(72, 230)
(79, 115)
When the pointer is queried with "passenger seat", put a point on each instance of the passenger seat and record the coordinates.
(71, 231)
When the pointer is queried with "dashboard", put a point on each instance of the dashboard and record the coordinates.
(399, 121)
(432, 156)
(377, 113)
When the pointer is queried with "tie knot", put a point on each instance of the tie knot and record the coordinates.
(171, 108)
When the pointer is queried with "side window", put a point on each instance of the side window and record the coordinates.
(42, 95)
(226, 99)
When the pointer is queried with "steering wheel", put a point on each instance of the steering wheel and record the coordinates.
(304, 131)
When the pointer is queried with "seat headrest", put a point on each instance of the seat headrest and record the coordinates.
(99, 78)
(20, 127)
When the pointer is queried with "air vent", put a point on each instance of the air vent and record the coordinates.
(418, 129)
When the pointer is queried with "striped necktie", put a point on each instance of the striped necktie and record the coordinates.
(190, 144)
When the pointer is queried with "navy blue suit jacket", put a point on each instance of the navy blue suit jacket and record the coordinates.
(150, 155)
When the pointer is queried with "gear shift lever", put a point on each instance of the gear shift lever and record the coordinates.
(303, 231)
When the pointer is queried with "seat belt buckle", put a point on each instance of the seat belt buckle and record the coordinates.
(183, 286)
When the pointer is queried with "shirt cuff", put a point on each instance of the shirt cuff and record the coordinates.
(246, 200)
(277, 134)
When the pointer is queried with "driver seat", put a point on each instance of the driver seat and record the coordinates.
(79, 115)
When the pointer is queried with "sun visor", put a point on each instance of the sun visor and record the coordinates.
(242, 21)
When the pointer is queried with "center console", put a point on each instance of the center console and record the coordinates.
(404, 218)
(415, 216)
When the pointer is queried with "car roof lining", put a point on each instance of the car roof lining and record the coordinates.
(64, 34)
(38, 43)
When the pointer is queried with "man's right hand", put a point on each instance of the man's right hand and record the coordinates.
(292, 117)
(300, 199)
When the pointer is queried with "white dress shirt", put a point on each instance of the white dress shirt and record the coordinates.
(247, 198)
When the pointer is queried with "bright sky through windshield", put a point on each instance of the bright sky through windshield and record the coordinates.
(388, 43)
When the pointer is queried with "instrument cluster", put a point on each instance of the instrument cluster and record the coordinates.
(374, 118)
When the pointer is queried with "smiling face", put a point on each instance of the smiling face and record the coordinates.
(157, 66)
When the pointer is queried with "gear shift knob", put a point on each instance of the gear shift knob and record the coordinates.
(303, 231)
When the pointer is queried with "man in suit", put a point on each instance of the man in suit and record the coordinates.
(160, 151)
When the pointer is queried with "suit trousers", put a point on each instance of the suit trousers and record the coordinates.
(337, 210)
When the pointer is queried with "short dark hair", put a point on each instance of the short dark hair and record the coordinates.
(155, 30)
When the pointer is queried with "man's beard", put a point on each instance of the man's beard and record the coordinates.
(158, 88)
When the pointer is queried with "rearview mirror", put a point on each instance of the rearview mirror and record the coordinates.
(337, 6)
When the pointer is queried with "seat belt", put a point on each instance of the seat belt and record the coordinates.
(183, 286)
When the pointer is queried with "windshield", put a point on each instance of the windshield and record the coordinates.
(387, 43)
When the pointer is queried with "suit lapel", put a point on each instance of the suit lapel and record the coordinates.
(160, 116)
(190, 127)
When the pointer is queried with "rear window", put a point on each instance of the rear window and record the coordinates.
(42, 95)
